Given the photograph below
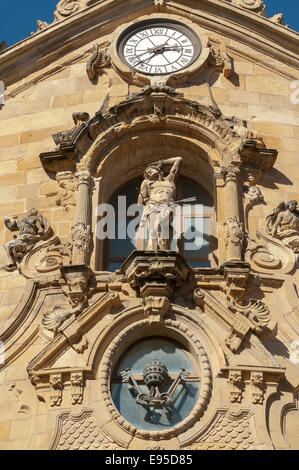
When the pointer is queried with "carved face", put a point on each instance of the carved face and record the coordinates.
(152, 173)
(292, 205)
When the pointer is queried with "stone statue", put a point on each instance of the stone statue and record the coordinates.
(33, 228)
(157, 194)
(284, 224)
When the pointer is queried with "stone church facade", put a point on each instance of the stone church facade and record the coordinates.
(107, 345)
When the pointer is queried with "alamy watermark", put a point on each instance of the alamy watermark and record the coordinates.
(2, 93)
(168, 222)
(2, 353)
(295, 92)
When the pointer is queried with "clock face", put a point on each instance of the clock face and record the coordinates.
(159, 48)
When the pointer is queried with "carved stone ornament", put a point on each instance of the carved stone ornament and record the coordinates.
(234, 232)
(186, 331)
(220, 59)
(77, 388)
(253, 317)
(99, 60)
(235, 381)
(54, 319)
(79, 430)
(66, 8)
(257, 388)
(236, 275)
(257, 313)
(32, 228)
(155, 374)
(65, 137)
(254, 5)
(156, 273)
(80, 237)
(278, 19)
(76, 277)
(66, 196)
(230, 431)
(159, 5)
(56, 390)
(283, 224)
(156, 308)
(253, 196)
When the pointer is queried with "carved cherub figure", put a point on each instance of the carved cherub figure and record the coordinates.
(283, 224)
(33, 228)
(157, 194)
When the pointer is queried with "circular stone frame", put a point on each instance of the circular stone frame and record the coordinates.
(134, 77)
(171, 329)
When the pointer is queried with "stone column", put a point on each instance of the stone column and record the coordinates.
(233, 228)
(81, 229)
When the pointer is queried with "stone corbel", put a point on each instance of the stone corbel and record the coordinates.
(156, 273)
(257, 388)
(99, 60)
(76, 277)
(236, 386)
(220, 59)
(77, 388)
(155, 308)
(56, 387)
(236, 276)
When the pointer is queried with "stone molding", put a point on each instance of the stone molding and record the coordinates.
(108, 363)
(55, 35)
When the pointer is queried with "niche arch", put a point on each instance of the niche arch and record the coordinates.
(122, 153)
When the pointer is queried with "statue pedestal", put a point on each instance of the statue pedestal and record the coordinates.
(156, 273)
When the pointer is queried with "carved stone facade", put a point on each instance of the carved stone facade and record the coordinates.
(202, 342)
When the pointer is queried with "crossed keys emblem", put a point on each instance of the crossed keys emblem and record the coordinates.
(154, 375)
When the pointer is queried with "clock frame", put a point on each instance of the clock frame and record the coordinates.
(174, 78)
(158, 46)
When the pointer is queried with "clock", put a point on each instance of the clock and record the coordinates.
(158, 47)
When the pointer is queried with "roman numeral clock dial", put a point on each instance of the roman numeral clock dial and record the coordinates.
(159, 48)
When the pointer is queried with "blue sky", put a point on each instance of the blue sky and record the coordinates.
(18, 18)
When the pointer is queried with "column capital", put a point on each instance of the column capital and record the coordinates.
(83, 177)
(232, 173)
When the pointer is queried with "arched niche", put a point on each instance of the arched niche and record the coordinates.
(128, 158)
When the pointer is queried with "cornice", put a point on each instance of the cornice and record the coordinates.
(219, 16)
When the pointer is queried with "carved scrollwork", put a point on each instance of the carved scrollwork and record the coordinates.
(253, 5)
(257, 313)
(67, 8)
(99, 60)
(54, 319)
(68, 184)
(271, 256)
